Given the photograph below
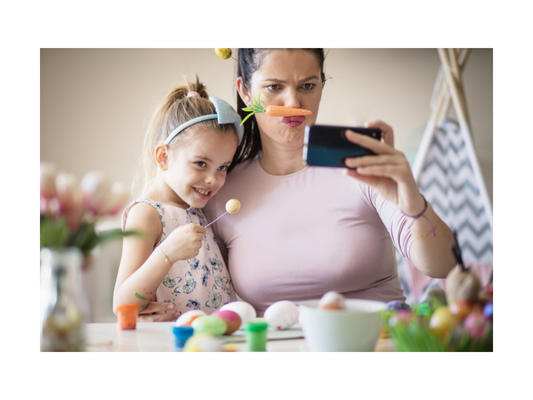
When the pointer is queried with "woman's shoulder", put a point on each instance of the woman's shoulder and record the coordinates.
(244, 168)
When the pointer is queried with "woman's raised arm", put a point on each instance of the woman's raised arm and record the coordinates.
(389, 173)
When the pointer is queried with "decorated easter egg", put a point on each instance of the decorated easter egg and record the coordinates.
(245, 310)
(402, 316)
(281, 315)
(188, 317)
(423, 309)
(397, 305)
(203, 342)
(332, 301)
(209, 324)
(476, 324)
(488, 310)
(461, 308)
(231, 318)
(442, 322)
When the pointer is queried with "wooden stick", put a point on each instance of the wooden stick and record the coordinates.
(440, 110)
(453, 88)
(458, 80)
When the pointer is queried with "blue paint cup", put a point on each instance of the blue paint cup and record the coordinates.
(182, 333)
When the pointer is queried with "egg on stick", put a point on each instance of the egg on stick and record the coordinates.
(232, 206)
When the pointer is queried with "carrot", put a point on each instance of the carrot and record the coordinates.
(273, 111)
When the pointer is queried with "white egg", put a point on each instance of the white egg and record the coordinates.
(245, 310)
(332, 300)
(186, 318)
(281, 315)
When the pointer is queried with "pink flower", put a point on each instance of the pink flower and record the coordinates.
(115, 201)
(48, 177)
(95, 190)
(66, 191)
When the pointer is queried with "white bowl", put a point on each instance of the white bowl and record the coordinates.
(355, 329)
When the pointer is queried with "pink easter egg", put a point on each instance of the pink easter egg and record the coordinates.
(231, 318)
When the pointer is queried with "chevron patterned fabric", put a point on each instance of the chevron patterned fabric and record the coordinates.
(448, 182)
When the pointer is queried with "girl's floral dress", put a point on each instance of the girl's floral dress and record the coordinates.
(202, 283)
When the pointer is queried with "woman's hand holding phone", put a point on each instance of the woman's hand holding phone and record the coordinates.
(388, 171)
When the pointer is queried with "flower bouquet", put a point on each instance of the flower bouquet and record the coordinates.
(69, 211)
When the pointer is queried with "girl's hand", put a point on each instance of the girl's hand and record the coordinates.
(184, 242)
(388, 171)
(154, 312)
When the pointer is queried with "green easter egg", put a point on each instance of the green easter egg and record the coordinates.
(210, 325)
(423, 309)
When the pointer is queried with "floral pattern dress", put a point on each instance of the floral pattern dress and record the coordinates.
(201, 283)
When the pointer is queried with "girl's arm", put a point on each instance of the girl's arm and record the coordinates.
(141, 268)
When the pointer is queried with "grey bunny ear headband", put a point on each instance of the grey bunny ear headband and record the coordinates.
(225, 114)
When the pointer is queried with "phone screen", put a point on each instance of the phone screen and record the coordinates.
(327, 145)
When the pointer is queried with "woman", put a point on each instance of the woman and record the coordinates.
(303, 231)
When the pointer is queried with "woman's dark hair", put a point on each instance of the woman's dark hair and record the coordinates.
(249, 61)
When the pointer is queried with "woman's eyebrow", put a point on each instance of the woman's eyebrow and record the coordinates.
(309, 78)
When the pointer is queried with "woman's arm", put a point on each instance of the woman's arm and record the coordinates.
(389, 173)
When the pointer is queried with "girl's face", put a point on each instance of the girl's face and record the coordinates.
(197, 168)
(288, 78)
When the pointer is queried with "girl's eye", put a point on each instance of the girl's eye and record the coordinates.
(274, 87)
(308, 86)
(201, 164)
(223, 168)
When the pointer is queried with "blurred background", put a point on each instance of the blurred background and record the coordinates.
(95, 107)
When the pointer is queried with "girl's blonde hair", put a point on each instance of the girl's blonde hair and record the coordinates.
(175, 110)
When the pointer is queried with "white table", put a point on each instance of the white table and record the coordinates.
(158, 336)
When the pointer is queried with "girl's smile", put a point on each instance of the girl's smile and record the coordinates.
(196, 169)
(204, 194)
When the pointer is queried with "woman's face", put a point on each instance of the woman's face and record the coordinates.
(290, 78)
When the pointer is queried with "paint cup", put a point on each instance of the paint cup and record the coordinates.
(182, 333)
(256, 335)
(127, 316)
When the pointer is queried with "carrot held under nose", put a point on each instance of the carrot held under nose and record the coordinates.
(273, 111)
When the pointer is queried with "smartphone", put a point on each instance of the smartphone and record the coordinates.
(327, 145)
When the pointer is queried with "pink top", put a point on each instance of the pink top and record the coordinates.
(301, 235)
(201, 283)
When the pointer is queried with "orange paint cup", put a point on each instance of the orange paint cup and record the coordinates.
(127, 316)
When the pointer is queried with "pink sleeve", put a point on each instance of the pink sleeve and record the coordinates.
(394, 220)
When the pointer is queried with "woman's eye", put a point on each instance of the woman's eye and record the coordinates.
(274, 87)
(308, 86)
(201, 164)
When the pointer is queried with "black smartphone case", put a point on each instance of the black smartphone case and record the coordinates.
(327, 146)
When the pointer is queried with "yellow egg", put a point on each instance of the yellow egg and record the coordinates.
(443, 322)
(223, 53)
(233, 206)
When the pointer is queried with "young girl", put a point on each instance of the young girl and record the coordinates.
(191, 143)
